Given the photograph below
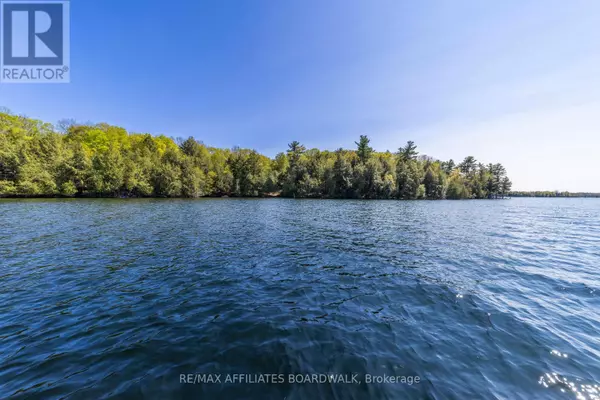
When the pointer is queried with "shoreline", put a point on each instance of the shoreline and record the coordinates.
(59, 197)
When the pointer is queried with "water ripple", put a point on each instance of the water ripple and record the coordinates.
(480, 299)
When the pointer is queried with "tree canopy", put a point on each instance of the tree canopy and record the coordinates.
(71, 159)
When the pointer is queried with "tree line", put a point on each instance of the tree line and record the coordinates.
(71, 159)
(556, 193)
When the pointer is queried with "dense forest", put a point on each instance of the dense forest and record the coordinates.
(71, 159)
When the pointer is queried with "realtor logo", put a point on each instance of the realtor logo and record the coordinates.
(35, 41)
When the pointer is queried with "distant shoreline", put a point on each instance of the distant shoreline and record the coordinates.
(554, 194)
(89, 197)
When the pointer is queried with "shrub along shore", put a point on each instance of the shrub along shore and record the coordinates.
(38, 159)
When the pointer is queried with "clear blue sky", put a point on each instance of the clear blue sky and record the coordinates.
(511, 81)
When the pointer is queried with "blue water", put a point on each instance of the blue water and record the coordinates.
(478, 299)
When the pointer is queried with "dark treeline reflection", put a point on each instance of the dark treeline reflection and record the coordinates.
(71, 159)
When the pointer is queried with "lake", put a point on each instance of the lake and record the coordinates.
(153, 298)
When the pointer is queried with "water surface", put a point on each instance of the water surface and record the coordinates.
(479, 299)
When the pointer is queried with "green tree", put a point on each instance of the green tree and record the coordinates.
(193, 180)
(435, 182)
(342, 176)
(456, 187)
(408, 178)
(505, 186)
(107, 171)
(364, 151)
(408, 152)
(167, 175)
(295, 151)
(448, 166)
(296, 170)
(468, 165)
